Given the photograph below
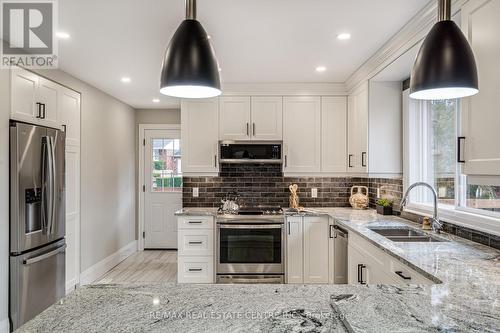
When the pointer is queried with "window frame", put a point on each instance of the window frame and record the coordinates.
(457, 214)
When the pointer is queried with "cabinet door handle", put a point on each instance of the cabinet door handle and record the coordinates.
(247, 130)
(289, 227)
(349, 160)
(215, 161)
(332, 232)
(363, 158)
(401, 275)
(43, 109)
(195, 222)
(39, 110)
(286, 161)
(196, 243)
(253, 129)
(459, 149)
(360, 273)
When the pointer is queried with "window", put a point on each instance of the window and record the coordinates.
(431, 131)
(166, 165)
(432, 134)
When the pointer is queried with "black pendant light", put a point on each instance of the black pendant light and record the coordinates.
(445, 67)
(190, 69)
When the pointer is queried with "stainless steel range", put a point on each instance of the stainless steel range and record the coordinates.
(251, 246)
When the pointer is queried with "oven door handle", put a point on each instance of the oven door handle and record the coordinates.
(250, 226)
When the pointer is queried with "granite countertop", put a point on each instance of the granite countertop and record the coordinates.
(466, 300)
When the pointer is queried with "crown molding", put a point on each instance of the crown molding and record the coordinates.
(284, 89)
(407, 37)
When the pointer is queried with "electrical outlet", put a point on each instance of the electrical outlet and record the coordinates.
(314, 192)
(442, 192)
(196, 192)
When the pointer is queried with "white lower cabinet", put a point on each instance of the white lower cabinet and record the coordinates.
(294, 253)
(308, 247)
(195, 269)
(368, 264)
(195, 239)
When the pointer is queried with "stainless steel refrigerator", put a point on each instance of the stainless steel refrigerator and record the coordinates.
(37, 220)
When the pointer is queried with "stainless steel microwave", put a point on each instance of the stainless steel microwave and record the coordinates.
(250, 152)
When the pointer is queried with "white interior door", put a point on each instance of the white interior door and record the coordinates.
(163, 187)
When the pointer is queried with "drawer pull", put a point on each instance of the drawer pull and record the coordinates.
(196, 243)
(400, 274)
(360, 273)
(195, 269)
(195, 222)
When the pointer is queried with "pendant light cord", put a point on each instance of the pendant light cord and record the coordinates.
(190, 9)
(444, 10)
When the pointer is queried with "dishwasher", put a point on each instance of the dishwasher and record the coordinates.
(340, 260)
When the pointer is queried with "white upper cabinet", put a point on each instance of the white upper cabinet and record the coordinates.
(334, 134)
(24, 87)
(385, 128)
(47, 95)
(267, 118)
(251, 118)
(357, 115)
(480, 115)
(234, 118)
(68, 109)
(39, 101)
(375, 129)
(302, 134)
(199, 135)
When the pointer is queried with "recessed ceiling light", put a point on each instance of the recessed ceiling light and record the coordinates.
(220, 69)
(126, 79)
(62, 35)
(343, 36)
(156, 100)
(320, 69)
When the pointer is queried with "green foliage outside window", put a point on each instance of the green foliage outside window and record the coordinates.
(159, 165)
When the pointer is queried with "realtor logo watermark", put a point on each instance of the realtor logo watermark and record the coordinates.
(28, 33)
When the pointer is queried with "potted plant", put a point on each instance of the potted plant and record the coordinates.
(384, 206)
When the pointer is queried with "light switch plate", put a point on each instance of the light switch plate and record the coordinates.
(196, 192)
(314, 192)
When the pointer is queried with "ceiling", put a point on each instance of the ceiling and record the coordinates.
(256, 41)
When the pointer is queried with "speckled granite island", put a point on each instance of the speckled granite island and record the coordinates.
(466, 300)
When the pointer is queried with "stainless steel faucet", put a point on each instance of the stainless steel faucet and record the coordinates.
(435, 223)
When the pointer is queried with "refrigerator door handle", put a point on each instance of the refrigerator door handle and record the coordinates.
(52, 185)
(44, 256)
(45, 171)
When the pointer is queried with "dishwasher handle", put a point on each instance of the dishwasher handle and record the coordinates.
(340, 232)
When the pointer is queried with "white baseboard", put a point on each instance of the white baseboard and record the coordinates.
(96, 271)
(4, 326)
(71, 285)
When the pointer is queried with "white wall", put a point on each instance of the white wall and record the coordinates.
(107, 171)
(158, 116)
(4, 200)
(151, 116)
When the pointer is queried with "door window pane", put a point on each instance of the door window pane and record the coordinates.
(166, 165)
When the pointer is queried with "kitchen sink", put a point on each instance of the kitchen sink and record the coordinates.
(404, 235)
